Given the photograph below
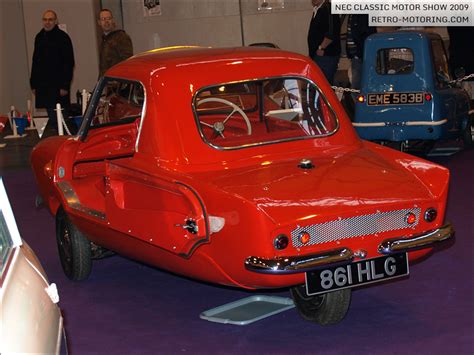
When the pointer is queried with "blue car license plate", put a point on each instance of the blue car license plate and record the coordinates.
(362, 272)
(395, 98)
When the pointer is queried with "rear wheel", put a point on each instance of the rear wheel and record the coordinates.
(73, 247)
(401, 146)
(329, 308)
(467, 135)
(348, 103)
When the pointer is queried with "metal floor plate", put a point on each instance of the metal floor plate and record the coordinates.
(248, 310)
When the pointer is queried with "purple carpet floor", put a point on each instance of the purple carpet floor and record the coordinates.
(129, 308)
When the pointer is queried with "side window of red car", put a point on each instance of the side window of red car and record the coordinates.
(119, 101)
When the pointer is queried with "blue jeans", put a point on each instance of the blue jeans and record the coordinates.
(328, 65)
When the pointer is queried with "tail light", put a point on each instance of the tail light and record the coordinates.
(304, 237)
(361, 99)
(281, 242)
(410, 218)
(431, 214)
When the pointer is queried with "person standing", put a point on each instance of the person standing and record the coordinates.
(52, 68)
(461, 52)
(116, 45)
(324, 41)
(358, 30)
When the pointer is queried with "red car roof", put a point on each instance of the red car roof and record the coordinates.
(172, 76)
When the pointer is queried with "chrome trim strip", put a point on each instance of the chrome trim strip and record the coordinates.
(426, 123)
(406, 123)
(396, 245)
(368, 124)
(73, 201)
(296, 264)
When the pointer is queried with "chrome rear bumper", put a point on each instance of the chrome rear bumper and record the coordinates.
(396, 245)
(297, 264)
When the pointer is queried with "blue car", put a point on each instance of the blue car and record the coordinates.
(408, 98)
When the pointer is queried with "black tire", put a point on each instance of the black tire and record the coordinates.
(348, 103)
(394, 145)
(329, 308)
(74, 249)
(467, 135)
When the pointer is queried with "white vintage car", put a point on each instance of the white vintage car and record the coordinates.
(31, 321)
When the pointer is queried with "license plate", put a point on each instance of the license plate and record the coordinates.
(395, 98)
(357, 273)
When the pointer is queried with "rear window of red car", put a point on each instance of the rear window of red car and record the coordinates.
(266, 111)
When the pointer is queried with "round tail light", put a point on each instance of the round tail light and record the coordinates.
(304, 237)
(430, 214)
(410, 218)
(361, 99)
(281, 242)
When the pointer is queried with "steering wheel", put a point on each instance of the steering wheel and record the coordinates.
(404, 68)
(219, 126)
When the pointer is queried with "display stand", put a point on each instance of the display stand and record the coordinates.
(85, 100)
(3, 122)
(40, 124)
(15, 134)
(61, 123)
(248, 310)
(30, 116)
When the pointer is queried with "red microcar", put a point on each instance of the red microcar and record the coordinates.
(238, 167)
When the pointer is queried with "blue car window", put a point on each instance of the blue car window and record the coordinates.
(394, 61)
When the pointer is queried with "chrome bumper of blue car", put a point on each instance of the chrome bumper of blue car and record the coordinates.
(298, 264)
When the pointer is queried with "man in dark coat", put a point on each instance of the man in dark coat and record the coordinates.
(358, 30)
(324, 38)
(461, 50)
(461, 53)
(52, 68)
(116, 45)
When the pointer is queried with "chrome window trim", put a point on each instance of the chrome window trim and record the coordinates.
(84, 129)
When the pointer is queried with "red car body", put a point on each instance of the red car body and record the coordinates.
(158, 187)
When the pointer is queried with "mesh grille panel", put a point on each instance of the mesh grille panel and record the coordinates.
(355, 226)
